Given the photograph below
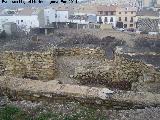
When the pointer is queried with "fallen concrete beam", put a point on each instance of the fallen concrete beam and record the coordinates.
(37, 90)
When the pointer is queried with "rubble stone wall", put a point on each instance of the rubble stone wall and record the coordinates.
(36, 65)
(29, 65)
(50, 92)
(121, 73)
(79, 51)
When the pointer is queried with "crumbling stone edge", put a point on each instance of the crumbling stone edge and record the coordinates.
(22, 89)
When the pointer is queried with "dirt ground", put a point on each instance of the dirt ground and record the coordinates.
(66, 65)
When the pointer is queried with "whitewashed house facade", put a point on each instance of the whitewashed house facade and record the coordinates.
(25, 19)
(49, 15)
(83, 18)
(106, 15)
(28, 18)
(62, 16)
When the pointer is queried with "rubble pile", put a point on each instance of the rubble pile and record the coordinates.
(121, 73)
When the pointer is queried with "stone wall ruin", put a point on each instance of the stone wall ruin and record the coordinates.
(98, 52)
(120, 73)
(39, 66)
(32, 65)
(52, 92)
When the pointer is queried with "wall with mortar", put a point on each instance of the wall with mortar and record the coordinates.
(29, 65)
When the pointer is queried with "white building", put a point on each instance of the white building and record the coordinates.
(62, 16)
(107, 20)
(83, 18)
(25, 18)
(49, 15)
(10, 28)
(46, 17)
(106, 15)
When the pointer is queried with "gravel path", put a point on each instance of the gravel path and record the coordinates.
(138, 114)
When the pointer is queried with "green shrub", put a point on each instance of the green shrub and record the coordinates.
(83, 113)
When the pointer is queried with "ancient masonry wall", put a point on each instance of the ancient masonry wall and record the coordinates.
(53, 92)
(121, 73)
(98, 52)
(36, 65)
(29, 65)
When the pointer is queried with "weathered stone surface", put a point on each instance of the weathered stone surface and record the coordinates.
(29, 65)
(38, 65)
(37, 90)
(119, 73)
(79, 51)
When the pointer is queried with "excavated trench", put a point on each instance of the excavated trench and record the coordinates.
(66, 67)
(61, 93)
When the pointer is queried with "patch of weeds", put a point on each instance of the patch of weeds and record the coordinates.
(85, 113)
(82, 113)
(47, 116)
(12, 113)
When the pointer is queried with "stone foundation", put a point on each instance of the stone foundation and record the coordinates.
(36, 65)
(120, 73)
(25, 89)
(97, 52)
(29, 65)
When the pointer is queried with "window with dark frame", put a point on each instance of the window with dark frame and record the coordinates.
(105, 19)
(100, 20)
(125, 25)
(131, 25)
(125, 18)
(111, 20)
(100, 12)
(131, 19)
